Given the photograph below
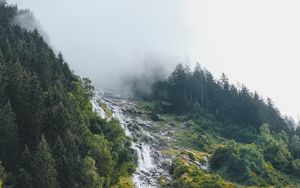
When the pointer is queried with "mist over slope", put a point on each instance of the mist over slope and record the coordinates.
(102, 38)
(25, 19)
(140, 76)
(114, 39)
(140, 73)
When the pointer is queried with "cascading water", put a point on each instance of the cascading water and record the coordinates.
(149, 168)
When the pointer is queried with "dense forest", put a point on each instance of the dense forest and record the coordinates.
(200, 92)
(250, 141)
(50, 136)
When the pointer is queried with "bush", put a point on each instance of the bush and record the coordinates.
(188, 175)
(274, 148)
(296, 167)
(244, 164)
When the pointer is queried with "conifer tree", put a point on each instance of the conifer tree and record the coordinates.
(9, 142)
(24, 176)
(60, 155)
(44, 166)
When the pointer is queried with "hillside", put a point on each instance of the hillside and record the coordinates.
(187, 150)
(50, 136)
(244, 137)
(191, 131)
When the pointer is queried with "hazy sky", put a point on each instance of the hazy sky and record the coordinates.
(254, 42)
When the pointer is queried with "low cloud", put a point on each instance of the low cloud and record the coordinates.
(25, 19)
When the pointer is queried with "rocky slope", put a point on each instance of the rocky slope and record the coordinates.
(152, 141)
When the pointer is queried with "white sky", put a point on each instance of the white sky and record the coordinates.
(254, 42)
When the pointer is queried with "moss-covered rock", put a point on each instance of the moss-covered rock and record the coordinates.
(164, 181)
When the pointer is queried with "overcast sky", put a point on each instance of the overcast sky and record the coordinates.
(254, 42)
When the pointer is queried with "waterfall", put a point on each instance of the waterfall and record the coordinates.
(148, 167)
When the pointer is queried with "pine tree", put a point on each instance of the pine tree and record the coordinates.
(198, 84)
(179, 88)
(60, 155)
(224, 82)
(26, 159)
(44, 166)
(9, 142)
(24, 176)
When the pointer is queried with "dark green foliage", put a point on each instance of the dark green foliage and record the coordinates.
(39, 95)
(179, 87)
(199, 93)
(294, 146)
(244, 164)
(59, 152)
(9, 142)
(26, 159)
(24, 178)
(44, 166)
(220, 111)
(274, 148)
(296, 167)
(90, 176)
(89, 89)
(239, 134)
(3, 175)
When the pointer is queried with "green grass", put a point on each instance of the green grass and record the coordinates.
(198, 138)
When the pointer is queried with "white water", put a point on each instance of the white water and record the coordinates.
(151, 163)
(148, 170)
(98, 109)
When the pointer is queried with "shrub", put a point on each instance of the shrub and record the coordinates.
(296, 167)
(188, 175)
(244, 164)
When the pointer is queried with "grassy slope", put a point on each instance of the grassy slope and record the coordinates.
(192, 139)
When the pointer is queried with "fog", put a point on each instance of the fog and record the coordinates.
(26, 20)
(254, 42)
(109, 41)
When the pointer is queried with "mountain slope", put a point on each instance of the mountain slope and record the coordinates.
(246, 139)
(192, 131)
(50, 136)
(191, 151)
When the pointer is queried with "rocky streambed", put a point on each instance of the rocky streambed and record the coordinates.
(153, 141)
(152, 165)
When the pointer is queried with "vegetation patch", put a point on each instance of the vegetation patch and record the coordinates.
(170, 152)
(106, 109)
(124, 182)
(188, 175)
(245, 164)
